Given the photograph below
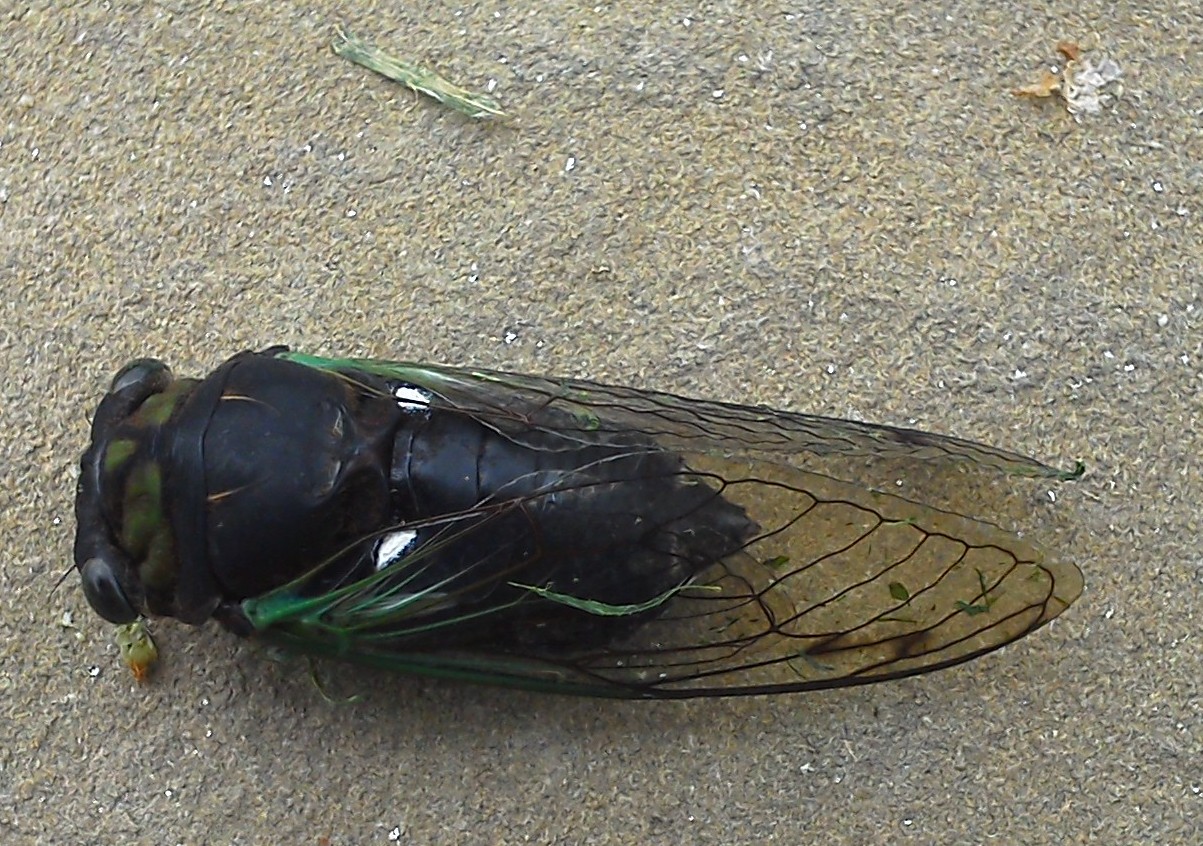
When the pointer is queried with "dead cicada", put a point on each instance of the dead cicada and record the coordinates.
(547, 534)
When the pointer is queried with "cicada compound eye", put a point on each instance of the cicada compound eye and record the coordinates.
(105, 594)
(149, 374)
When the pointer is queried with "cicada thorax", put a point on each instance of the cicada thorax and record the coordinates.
(210, 492)
(294, 465)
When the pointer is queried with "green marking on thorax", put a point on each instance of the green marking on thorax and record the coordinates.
(145, 531)
(117, 453)
(158, 408)
(142, 509)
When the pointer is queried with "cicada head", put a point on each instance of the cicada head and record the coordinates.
(124, 547)
(194, 494)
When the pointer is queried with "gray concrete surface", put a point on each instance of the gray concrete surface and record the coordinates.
(838, 208)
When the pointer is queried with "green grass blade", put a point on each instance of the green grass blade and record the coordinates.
(420, 79)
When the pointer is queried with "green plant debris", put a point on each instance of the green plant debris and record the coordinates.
(138, 649)
(420, 79)
(975, 608)
(605, 609)
(900, 593)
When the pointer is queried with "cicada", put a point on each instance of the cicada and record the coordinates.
(547, 534)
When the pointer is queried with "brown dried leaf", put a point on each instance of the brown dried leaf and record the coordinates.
(1069, 50)
(1048, 84)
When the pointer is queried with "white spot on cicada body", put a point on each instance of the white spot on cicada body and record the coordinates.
(411, 398)
(393, 546)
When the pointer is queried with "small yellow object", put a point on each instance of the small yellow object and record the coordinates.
(138, 649)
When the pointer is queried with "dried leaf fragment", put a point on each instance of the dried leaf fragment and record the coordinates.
(1085, 86)
(1048, 85)
(1070, 50)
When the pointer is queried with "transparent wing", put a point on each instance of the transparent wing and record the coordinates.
(843, 584)
(515, 403)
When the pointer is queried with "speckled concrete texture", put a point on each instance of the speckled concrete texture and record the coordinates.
(838, 208)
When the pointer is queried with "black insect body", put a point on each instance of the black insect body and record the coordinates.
(547, 534)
